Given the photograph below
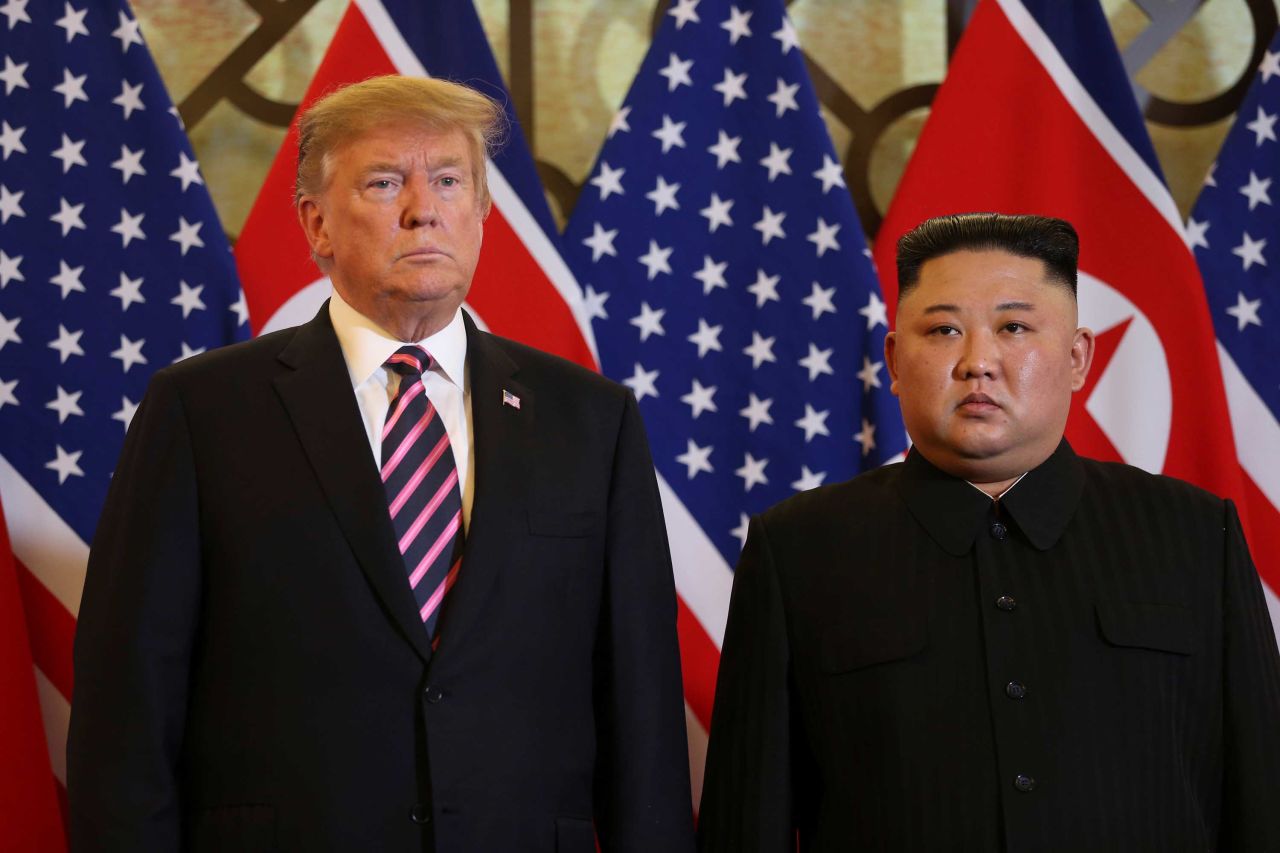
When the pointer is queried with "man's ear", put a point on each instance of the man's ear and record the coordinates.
(1082, 346)
(314, 227)
(891, 360)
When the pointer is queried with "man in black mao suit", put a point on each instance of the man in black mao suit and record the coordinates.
(997, 644)
(260, 667)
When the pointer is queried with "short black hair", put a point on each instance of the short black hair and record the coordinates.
(1051, 240)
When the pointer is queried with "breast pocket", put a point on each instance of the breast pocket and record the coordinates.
(1169, 628)
(859, 643)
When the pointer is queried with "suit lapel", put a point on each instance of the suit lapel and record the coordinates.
(317, 394)
(502, 454)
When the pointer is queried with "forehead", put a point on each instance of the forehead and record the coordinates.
(980, 278)
(412, 144)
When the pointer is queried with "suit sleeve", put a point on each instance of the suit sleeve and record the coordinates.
(642, 794)
(1251, 705)
(134, 639)
(748, 786)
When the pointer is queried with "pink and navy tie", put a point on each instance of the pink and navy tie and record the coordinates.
(423, 493)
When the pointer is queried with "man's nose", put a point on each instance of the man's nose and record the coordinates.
(979, 359)
(419, 204)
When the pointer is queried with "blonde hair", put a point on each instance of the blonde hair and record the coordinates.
(348, 113)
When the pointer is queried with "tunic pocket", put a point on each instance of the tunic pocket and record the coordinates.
(1157, 627)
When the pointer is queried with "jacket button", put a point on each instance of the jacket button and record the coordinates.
(420, 814)
(1025, 784)
(999, 531)
(1015, 690)
(433, 694)
(1007, 602)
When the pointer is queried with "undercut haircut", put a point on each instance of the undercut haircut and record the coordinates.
(348, 113)
(1044, 238)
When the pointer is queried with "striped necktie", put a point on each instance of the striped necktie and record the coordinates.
(423, 493)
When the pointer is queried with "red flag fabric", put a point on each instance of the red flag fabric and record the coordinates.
(30, 816)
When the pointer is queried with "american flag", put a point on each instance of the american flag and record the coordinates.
(731, 288)
(112, 265)
(1235, 232)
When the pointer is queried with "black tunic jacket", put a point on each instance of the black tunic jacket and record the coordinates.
(1086, 665)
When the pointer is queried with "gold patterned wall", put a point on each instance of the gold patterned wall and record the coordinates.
(237, 68)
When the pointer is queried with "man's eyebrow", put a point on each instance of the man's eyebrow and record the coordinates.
(380, 167)
(445, 163)
(942, 308)
(1015, 306)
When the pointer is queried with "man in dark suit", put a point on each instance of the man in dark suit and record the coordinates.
(382, 581)
(997, 644)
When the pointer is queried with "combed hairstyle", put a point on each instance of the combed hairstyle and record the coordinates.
(1051, 240)
(346, 114)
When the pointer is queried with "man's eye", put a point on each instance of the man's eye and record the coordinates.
(449, 181)
(380, 184)
(945, 330)
(1014, 327)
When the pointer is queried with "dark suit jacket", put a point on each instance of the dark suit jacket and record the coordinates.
(1088, 666)
(251, 672)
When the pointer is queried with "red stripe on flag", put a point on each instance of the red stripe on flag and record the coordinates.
(516, 299)
(699, 663)
(52, 630)
(29, 815)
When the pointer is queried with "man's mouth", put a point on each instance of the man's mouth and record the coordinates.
(425, 252)
(978, 403)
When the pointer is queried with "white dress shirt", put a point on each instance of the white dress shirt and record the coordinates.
(366, 348)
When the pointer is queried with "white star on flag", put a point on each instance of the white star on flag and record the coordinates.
(677, 72)
(129, 353)
(1250, 251)
(696, 459)
(187, 235)
(601, 242)
(1245, 311)
(1263, 126)
(700, 399)
(129, 227)
(67, 343)
(760, 350)
(732, 87)
(129, 164)
(649, 321)
(608, 181)
(821, 300)
(188, 298)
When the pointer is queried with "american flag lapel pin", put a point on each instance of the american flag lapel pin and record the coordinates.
(509, 399)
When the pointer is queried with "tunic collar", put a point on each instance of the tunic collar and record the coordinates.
(952, 512)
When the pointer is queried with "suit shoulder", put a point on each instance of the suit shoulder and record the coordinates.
(246, 358)
(1120, 482)
(865, 493)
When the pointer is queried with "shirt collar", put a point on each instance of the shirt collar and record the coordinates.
(366, 346)
(952, 512)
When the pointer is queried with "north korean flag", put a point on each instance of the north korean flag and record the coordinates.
(1037, 115)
